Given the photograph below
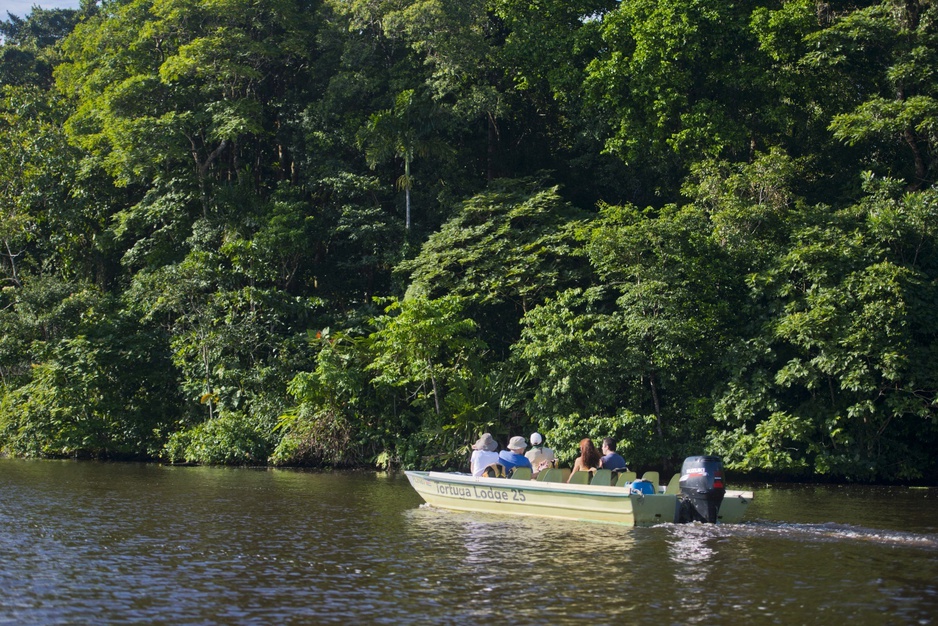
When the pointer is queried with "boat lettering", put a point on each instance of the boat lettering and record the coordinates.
(479, 493)
(491, 494)
(457, 491)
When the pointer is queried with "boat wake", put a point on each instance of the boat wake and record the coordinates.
(834, 532)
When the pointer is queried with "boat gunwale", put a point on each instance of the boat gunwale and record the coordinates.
(534, 485)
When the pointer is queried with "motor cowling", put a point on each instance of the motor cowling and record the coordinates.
(702, 488)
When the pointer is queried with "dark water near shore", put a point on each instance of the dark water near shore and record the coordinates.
(84, 543)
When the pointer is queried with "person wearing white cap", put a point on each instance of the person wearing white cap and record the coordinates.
(541, 456)
(514, 456)
(483, 454)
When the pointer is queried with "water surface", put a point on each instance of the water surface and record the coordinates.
(150, 544)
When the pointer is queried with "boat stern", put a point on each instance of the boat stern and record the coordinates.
(649, 510)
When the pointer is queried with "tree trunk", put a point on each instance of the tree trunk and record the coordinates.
(208, 382)
(492, 144)
(657, 402)
(202, 168)
(406, 194)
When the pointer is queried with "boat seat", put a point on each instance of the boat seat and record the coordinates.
(626, 478)
(552, 475)
(652, 477)
(602, 477)
(520, 473)
(495, 470)
(674, 485)
(579, 478)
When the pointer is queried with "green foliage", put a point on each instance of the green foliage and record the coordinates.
(696, 81)
(405, 132)
(326, 425)
(504, 252)
(887, 51)
(28, 53)
(79, 377)
(693, 226)
(41, 222)
(230, 439)
(637, 437)
(647, 336)
(835, 382)
(427, 349)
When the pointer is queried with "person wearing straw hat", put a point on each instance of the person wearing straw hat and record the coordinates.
(514, 456)
(541, 456)
(483, 454)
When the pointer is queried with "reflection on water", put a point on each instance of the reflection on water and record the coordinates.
(108, 543)
(691, 555)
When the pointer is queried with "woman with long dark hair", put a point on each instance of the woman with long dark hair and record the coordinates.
(588, 459)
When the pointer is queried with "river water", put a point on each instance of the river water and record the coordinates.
(84, 543)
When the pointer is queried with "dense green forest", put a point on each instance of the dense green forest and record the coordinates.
(356, 232)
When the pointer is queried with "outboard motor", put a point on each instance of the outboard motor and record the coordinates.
(702, 489)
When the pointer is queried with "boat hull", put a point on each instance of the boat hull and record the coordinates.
(616, 505)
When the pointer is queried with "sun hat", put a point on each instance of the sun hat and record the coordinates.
(536, 439)
(517, 443)
(485, 442)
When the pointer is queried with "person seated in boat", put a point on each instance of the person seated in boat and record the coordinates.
(514, 456)
(588, 459)
(541, 456)
(611, 460)
(483, 454)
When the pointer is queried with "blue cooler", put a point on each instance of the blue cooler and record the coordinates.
(642, 486)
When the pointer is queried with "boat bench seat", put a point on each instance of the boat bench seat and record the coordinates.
(602, 478)
(626, 478)
(552, 475)
(520, 473)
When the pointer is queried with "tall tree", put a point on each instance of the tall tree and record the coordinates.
(888, 54)
(158, 84)
(28, 51)
(678, 82)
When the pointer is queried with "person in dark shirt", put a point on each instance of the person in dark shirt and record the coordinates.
(611, 459)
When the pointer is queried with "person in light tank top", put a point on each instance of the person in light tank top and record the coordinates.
(541, 456)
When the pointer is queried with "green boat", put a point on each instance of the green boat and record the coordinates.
(691, 496)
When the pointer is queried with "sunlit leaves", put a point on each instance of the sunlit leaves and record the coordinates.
(506, 250)
(694, 84)
(420, 343)
(159, 83)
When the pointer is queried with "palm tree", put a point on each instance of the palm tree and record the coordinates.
(401, 132)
